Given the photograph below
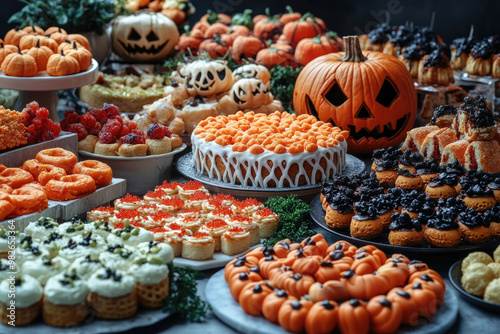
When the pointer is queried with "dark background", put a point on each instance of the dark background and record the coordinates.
(453, 18)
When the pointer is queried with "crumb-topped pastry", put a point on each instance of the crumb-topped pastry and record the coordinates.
(443, 116)
(444, 186)
(480, 59)
(366, 223)
(460, 49)
(276, 150)
(473, 226)
(435, 69)
(442, 229)
(405, 231)
(411, 57)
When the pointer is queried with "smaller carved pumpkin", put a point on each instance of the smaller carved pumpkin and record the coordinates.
(292, 315)
(238, 282)
(326, 272)
(6, 50)
(330, 290)
(273, 303)
(82, 55)
(322, 317)
(425, 298)
(34, 30)
(41, 55)
(206, 78)
(245, 94)
(252, 71)
(246, 47)
(19, 65)
(252, 297)
(344, 246)
(60, 64)
(353, 317)
(13, 36)
(53, 30)
(385, 316)
(408, 305)
(306, 27)
(298, 285)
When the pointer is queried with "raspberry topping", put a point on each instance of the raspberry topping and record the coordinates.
(112, 126)
(111, 110)
(107, 138)
(88, 121)
(216, 223)
(155, 131)
(133, 139)
(79, 130)
(71, 117)
(130, 199)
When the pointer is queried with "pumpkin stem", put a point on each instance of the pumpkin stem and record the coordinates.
(187, 30)
(67, 41)
(353, 51)
(19, 50)
(308, 15)
(37, 43)
(217, 39)
(62, 53)
(212, 17)
(316, 39)
(289, 9)
(331, 35)
(268, 12)
(74, 46)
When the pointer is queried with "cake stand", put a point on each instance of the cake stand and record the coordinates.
(43, 87)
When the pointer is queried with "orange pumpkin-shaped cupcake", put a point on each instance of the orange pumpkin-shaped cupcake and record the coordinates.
(330, 290)
(272, 304)
(298, 285)
(397, 271)
(365, 286)
(61, 64)
(322, 317)
(41, 55)
(340, 260)
(80, 39)
(432, 273)
(431, 281)
(317, 244)
(385, 316)
(13, 36)
(307, 265)
(252, 296)
(425, 298)
(266, 264)
(50, 43)
(292, 314)
(6, 50)
(238, 282)
(33, 30)
(28, 41)
(282, 248)
(59, 37)
(278, 276)
(326, 272)
(417, 266)
(344, 246)
(375, 252)
(353, 317)
(365, 263)
(19, 65)
(408, 305)
(236, 266)
(294, 255)
(260, 252)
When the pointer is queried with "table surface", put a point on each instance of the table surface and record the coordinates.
(471, 319)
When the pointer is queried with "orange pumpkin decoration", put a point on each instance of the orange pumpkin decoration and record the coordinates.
(233, 33)
(282, 40)
(417, 266)
(409, 306)
(216, 29)
(425, 298)
(347, 248)
(398, 258)
(156, 5)
(353, 317)
(282, 248)
(366, 286)
(216, 48)
(53, 30)
(292, 315)
(330, 290)
(34, 30)
(268, 28)
(201, 25)
(6, 50)
(212, 17)
(385, 316)
(307, 265)
(326, 272)
(260, 252)
(322, 317)
(340, 260)
(41, 55)
(398, 271)
(190, 39)
(80, 39)
(364, 263)
(19, 65)
(316, 242)
(82, 55)
(369, 94)
(268, 263)
(57, 37)
(270, 57)
(432, 282)
(66, 45)
(380, 255)
(61, 64)
(238, 282)
(13, 36)
(29, 41)
(252, 296)
(246, 47)
(273, 303)
(298, 285)
(305, 27)
(311, 48)
(290, 15)
(175, 14)
(278, 276)
(236, 266)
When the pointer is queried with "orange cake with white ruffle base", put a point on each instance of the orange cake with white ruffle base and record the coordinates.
(276, 150)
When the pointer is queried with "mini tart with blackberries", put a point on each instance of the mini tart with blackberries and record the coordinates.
(385, 166)
(329, 188)
(408, 160)
(455, 167)
(428, 170)
(378, 37)
(477, 196)
(444, 186)
(339, 211)
(385, 207)
(415, 202)
(411, 57)
(493, 217)
(435, 69)
(405, 231)
(366, 223)
(453, 203)
(408, 180)
(480, 59)
(442, 229)
(495, 187)
(444, 116)
(473, 227)
(460, 49)
(480, 124)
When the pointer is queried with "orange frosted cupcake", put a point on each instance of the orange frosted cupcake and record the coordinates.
(199, 247)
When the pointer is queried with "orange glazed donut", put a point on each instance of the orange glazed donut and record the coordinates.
(99, 171)
(70, 187)
(5, 208)
(27, 200)
(58, 157)
(15, 177)
(53, 173)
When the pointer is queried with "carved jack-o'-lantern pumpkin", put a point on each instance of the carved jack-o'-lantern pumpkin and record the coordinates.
(370, 94)
(253, 71)
(250, 93)
(203, 77)
(144, 37)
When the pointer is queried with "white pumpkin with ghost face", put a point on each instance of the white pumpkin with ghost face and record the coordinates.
(207, 77)
(253, 71)
(144, 37)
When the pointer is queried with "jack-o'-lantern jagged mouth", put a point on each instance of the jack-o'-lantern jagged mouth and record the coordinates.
(387, 132)
(152, 50)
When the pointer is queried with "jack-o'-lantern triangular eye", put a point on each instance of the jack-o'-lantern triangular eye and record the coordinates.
(310, 107)
(388, 93)
(221, 74)
(152, 37)
(335, 96)
(134, 35)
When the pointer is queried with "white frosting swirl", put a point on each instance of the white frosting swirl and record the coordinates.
(118, 257)
(111, 286)
(28, 292)
(158, 249)
(43, 268)
(143, 236)
(85, 266)
(42, 228)
(74, 292)
(6, 267)
(148, 273)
